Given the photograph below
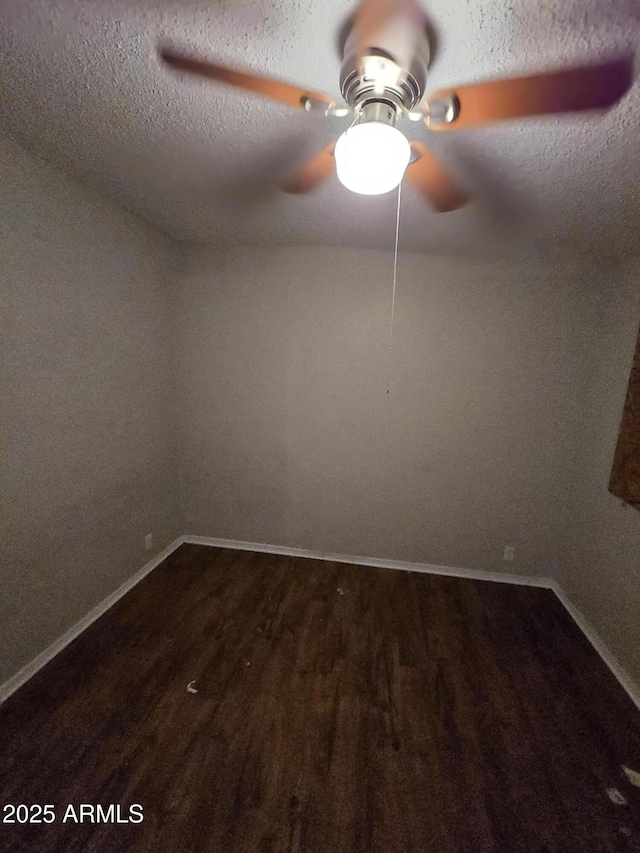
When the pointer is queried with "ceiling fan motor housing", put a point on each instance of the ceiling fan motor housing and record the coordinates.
(393, 71)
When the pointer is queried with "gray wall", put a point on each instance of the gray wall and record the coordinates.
(289, 437)
(88, 461)
(507, 384)
(601, 574)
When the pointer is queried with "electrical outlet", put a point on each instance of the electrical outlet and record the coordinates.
(509, 552)
(148, 542)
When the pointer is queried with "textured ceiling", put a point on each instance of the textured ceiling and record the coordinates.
(80, 85)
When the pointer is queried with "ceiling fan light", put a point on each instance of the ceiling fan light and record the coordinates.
(371, 158)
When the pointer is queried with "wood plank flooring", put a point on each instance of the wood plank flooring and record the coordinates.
(339, 709)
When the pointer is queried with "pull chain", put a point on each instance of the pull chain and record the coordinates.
(393, 298)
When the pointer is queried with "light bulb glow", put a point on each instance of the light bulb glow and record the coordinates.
(371, 158)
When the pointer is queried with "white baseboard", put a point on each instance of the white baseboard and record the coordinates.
(376, 562)
(596, 641)
(599, 645)
(44, 657)
(523, 580)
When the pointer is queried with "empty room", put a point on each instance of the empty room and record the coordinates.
(319, 426)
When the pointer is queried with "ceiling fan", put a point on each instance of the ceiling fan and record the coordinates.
(387, 49)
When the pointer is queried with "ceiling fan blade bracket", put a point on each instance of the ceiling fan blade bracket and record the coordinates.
(314, 105)
(442, 110)
(338, 112)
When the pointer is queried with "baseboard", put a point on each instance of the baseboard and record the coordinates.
(588, 630)
(376, 562)
(625, 680)
(44, 657)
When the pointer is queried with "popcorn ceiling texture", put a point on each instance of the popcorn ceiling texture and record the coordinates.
(80, 85)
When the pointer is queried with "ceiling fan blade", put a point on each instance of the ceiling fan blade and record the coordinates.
(369, 20)
(388, 25)
(590, 87)
(295, 96)
(429, 177)
(312, 173)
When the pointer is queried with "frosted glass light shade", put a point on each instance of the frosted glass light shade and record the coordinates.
(371, 158)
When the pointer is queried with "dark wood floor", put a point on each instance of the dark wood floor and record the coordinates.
(339, 709)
